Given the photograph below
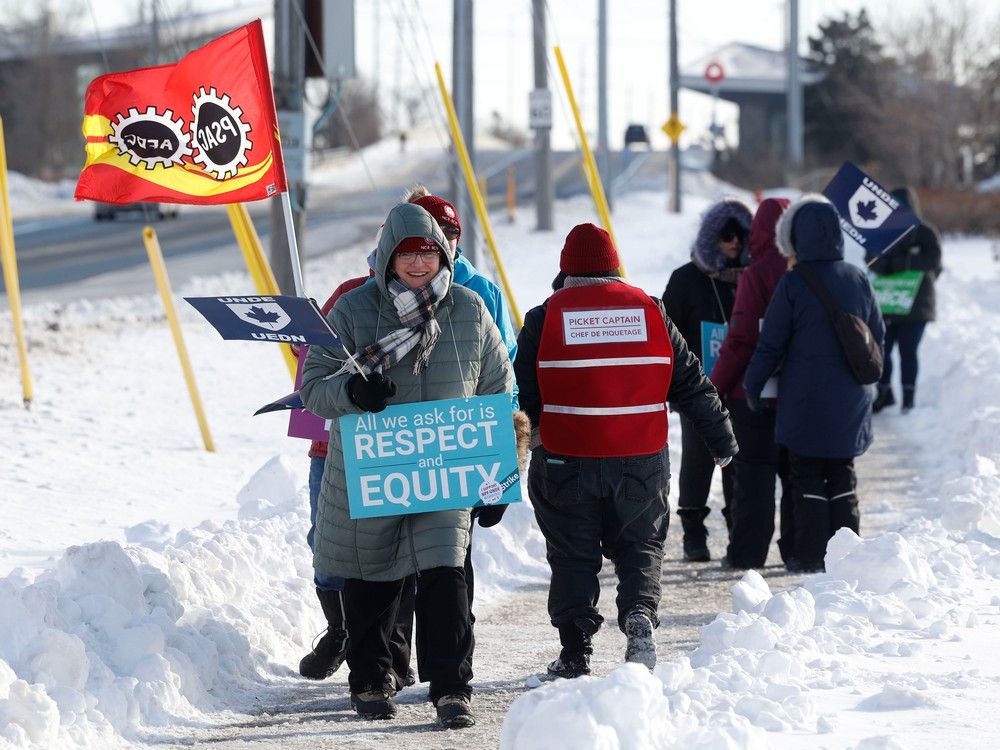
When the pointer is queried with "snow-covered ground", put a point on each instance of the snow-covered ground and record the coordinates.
(149, 584)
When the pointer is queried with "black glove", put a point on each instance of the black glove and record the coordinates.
(372, 394)
(756, 405)
(489, 515)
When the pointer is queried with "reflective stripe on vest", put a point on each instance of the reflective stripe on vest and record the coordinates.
(609, 362)
(603, 411)
(604, 367)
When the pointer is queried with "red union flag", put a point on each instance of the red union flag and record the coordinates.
(201, 130)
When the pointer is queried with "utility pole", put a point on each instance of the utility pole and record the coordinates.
(289, 85)
(544, 193)
(603, 154)
(794, 97)
(675, 148)
(462, 92)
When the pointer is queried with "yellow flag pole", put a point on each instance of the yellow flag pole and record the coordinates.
(590, 166)
(163, 284)
(477, 198)
(8, 258)
(257, 265)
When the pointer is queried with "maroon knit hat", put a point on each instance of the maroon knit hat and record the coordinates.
(442, 210)
(588, 249)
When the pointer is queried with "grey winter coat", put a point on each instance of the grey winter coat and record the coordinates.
(469, 359)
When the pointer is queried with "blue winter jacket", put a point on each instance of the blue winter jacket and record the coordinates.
(466, 275)
(822, 411)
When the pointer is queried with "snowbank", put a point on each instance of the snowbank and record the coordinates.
(792, 662)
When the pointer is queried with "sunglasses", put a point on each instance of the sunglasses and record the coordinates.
(427, 256)
(449, 231)
(729, 235)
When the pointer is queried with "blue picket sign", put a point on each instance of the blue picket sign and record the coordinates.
(712, 336)
(868, 212)
(290, 320)
(431, 455)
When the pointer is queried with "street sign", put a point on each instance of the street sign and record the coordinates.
(540, 109)
(714, 72)
(673, 127)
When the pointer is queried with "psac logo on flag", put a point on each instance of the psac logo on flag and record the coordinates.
(216, 137)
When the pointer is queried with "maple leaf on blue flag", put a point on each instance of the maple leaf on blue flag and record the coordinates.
(262, 316)
(866, 210)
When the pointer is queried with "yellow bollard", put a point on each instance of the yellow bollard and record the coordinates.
(590, 166)
(257, 265)
(511, 194)
(8, 259)
(163, 284)
(477, 198)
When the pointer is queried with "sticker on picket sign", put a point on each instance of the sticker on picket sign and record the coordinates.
(430, 455)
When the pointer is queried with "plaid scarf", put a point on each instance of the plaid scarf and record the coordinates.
(415, 308)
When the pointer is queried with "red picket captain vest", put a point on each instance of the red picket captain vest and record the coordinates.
(604, 368)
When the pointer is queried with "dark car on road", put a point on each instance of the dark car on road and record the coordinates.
(150, 211)
(636, 134)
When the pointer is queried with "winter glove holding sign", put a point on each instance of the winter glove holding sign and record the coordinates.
(372, 394)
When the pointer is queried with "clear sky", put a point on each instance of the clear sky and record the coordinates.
(412, 34)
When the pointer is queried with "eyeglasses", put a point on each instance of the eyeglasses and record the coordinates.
(427, 256)
(449, 231)
(729, 236)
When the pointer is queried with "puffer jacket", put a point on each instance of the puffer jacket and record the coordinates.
(920, 250)
(469, 359)
(705, 288)
(753, 293)
(822, 411)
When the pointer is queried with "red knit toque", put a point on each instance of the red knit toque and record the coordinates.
(416, 245)
(588, 249)
(441, 209)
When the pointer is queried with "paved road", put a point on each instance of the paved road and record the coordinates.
(73, 255)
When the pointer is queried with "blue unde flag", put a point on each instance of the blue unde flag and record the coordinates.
(868, 213)
(290, 320)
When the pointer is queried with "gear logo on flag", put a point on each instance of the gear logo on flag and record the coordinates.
(868, 210)
(150, 138)
(268, 315)
(220, 134)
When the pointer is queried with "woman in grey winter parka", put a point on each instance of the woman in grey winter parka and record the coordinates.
(418, 338)
(823, 414)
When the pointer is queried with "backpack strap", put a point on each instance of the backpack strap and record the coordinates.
(819, 289)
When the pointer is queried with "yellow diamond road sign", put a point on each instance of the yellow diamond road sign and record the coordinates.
(674, 127)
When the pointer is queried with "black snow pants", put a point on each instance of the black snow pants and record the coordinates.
(695, 481)
(825, 500)
(444, 632)
(593, 507)
(755, 467)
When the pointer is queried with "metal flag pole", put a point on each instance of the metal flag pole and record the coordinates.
(293, 245)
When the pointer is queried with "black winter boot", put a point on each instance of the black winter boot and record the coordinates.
(331, 650)
(884, 398)
(695, 534)
(574, 659)
(908, 393)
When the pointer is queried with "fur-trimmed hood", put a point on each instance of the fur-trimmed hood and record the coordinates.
(706, 253)
(810, 230)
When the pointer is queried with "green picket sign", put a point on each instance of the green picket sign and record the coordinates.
(896, 292)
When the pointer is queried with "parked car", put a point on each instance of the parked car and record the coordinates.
(636, 133)
(154, 211)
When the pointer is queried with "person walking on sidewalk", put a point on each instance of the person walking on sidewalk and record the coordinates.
(596, 364)
(417, 337)
(751, 512)
(920, 251)
(823, 415)
(699, 298)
